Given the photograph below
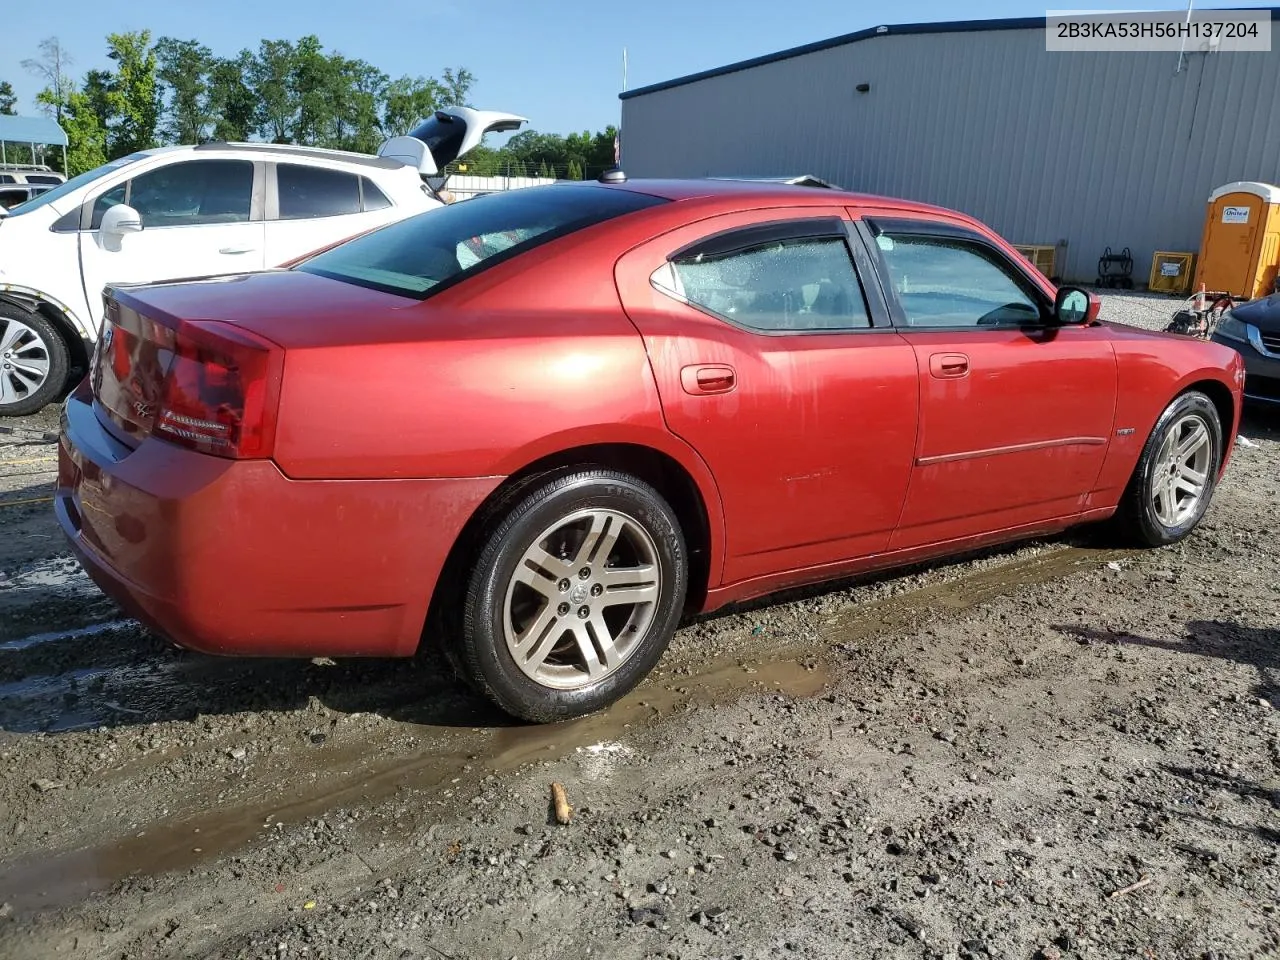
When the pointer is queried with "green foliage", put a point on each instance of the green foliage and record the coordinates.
(185, 69)
(285, 91)
(233, 103)
(579, 155)
(133, 94)
(7, 99)
(87, 136)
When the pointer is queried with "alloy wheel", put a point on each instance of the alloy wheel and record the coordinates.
(1180, 476)
(24, 360)
(582, 598)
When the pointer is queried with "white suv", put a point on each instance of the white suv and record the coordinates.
(175, 212)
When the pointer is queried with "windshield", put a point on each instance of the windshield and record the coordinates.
(446, 244)
(75, 183)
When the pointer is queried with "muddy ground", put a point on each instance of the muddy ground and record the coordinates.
(1053, 750)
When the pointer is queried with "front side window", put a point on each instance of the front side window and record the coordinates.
(776, 285)
(946, 282)
(306, 192)
(443, 245)
(188, 193)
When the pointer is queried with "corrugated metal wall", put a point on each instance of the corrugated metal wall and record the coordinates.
(1094, 149)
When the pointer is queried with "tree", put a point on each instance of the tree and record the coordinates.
(312, 86)
(86, 136)
(133, 94)
(51, 67)
(456, 87)
(408, 101)
(233, 104)
(269, 76)
(184, 67)
(97, 90)
(7, 99)
(358, 94)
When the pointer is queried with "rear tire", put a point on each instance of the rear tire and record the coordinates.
(574, 597)
(1176, 475)
(34, 361)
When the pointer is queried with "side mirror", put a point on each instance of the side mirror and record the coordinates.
(1076, 307)
(119, 220)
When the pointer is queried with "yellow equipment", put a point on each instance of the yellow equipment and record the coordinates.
(1170, 272)
(1240, 248)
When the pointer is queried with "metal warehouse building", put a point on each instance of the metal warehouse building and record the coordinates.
(1080, 151)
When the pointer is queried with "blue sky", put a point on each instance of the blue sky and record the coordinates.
(562, 71)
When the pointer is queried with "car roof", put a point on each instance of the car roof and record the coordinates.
(769, 192)
(279, 150)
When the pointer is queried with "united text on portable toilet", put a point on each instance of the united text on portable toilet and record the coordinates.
(1240, 246)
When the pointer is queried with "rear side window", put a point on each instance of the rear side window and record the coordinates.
(771, 282)
(374, 199)
(306, 192)
(442, 246)
(42, 178)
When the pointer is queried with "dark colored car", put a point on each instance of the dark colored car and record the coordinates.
(545, 424)
(1253, 329)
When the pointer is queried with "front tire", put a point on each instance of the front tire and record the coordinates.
(33, 361)
(1176, 475)
(574, 597)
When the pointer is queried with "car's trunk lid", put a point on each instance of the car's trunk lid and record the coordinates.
(146, 329)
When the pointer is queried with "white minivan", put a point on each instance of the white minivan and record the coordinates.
(193, 211)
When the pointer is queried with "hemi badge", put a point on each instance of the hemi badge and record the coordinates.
(1124, 431)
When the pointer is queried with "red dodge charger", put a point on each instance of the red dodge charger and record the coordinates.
(553, 421)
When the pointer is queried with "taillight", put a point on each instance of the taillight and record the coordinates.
(221, 391)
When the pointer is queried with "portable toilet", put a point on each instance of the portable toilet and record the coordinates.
(1240, 246)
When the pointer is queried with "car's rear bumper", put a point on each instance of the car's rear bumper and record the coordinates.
(233, 557)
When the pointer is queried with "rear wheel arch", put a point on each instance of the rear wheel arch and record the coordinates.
(667, 475)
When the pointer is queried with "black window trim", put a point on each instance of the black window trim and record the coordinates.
(821, 226)
(869, 228)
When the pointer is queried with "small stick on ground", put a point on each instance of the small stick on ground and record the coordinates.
(1130, 888)
(564, 812)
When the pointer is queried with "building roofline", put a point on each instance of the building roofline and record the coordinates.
(884, 30)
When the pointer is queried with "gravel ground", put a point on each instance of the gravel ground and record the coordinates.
(1053, 750)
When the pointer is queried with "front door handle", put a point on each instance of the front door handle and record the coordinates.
(237, 249)
(701, 379)
(948, 366)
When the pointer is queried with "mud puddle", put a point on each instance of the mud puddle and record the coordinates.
(335, 776)
(448, 754)
(899, 612)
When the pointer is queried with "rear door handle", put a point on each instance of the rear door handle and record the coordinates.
(948, 366)
(237, 249)
(701, 379)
